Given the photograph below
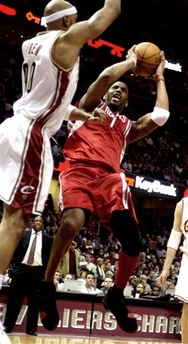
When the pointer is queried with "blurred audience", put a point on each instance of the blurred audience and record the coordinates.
(108, 282)
(70, 262)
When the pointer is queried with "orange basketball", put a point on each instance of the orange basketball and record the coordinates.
(148, 58)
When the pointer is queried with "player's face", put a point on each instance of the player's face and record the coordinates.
(117, 96)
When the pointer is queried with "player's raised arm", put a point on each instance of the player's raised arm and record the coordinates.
(106, 78)
(160, 114)
(75, 34)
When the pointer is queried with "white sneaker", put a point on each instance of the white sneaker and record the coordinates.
(4, 339)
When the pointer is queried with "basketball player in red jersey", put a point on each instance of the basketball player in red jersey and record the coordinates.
(49, 78)
(95, 185)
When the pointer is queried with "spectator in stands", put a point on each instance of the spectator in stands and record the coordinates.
(157, 271)
(58, 281)
(146, 271)
(151, 278)
(143, 257)
(90, 285)
(69, 264)
(127, 166)
(83, 274)
(113, 255)
(84, 245)
(133, 281)
(109, 273)
(99, 272)
(156, 290)
(115, 270)
(104, 252)
(140, 289)
(144, 278)
(60, 284)
(170, 289)
(106, 284)
(90, 266)
(101, 253)
(160, 251)
(7, 277)
(107, 265)
(115, 265)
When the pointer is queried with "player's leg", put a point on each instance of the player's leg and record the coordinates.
(15, 298)
(12, 228)
(71, 223)
(4, 339)
(75, 202)
(184, 324)
(126, 231)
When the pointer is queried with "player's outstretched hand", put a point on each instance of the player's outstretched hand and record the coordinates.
(131, 55)
(98, 115)
(162, 279)
(161, 66)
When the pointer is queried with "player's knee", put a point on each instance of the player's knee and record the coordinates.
(132, 250)
(126, 231)
(72, 224)
(14, 220)
(131, 243)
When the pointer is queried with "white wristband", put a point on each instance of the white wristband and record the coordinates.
(69, 110)
(133, 59)
(174, 239)
(159, 115)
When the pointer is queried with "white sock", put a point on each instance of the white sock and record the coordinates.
(1, 280)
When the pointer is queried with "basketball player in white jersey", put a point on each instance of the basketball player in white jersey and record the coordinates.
(179, 232)
(49, 79)
(95, 185)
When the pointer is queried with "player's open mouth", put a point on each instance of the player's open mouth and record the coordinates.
(116, 96)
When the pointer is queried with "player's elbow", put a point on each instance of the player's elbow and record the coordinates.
(105, 78)
(98, 23)
(112, 9)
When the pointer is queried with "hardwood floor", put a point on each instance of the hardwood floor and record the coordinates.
(54, 339)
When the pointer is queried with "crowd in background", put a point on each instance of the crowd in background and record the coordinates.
(96, 249)
(94, 253)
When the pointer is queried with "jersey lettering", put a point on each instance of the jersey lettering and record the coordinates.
(34, 49)
(114, 116)
(28, 72)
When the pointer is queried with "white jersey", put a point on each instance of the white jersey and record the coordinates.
(26, 163)
(184, 218)
(46, 90)
(181, 291)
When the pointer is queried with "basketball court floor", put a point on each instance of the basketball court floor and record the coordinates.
(54, 339)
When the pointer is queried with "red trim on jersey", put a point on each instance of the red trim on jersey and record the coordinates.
(30, 176)
(63, 79)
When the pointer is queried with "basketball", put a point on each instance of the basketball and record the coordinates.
(148, 59)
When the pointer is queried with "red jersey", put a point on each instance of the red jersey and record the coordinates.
(101, 143)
